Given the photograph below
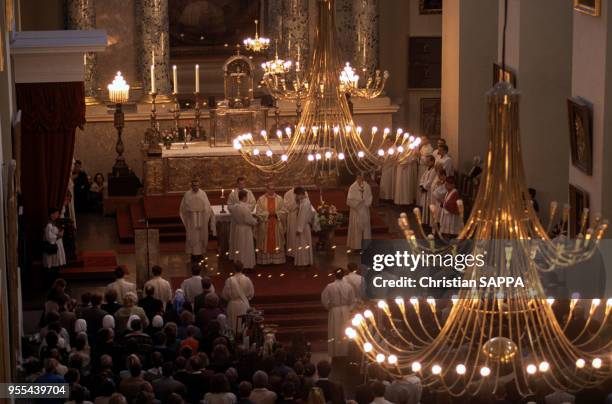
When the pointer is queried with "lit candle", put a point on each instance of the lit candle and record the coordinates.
(222, 192)
(175, 79)
(153, 78)
(197, 78)
(297, 65)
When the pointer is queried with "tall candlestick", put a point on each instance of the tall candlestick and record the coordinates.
(175, 79)
(222, 192)
(197, 78)
(153, 78)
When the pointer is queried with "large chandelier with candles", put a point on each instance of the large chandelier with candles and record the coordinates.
(492, 336)
(257, 44)
(326, 137)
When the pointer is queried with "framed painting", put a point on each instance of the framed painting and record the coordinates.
(580, 119)
(430, 117)
(211, 28)
(430, 6)
(501, 74)
(578, 200)
(590, 7)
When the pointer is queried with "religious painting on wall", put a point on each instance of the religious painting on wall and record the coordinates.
(503, 74)
(430, 117)
(424, 62)
(430, 6)
(579, 200)
(581, 134)
(211, 27)
(590, 7)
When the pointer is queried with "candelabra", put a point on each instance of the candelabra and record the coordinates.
(325, 136)
(153, 139)
(198, 115)
(492, 334)
(176, 113)
(118, 92)
(222, 201)
(257, 44)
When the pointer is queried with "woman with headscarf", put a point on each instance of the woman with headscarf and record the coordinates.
(176, 307)
(157, 324)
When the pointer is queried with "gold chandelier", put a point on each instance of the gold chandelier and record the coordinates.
(325, 137)
(495, 335)
(258, 43)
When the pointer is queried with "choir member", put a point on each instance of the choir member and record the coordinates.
(197, 216)
(426, 188)
(237, 291)
(425, 149)
(241, 239)
(451, 222)
(291, 207)
(303, 238)
(355, 279)
(443, 160)
(338, 299)
(270, 235)
(359, 200)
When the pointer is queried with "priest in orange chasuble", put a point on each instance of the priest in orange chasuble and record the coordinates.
(271, 217)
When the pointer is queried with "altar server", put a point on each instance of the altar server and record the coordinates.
(291, 207)
(237, 291)
(338, 298)
(270, 234)
(303, 226)
(359, 200)
(406, 181)
(355, 279)
(451, 220)
(387, 176)
(439, 143)
(425, 149)
(425, 188)
(241, 240)
(197, 216)
(232, 199)
(443, 160)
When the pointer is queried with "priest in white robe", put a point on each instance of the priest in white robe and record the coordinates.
(387, 176)
(232, 199)
(338, 299)
(426, 189)
(237, 291)
(406, 181)
(270, 234)
(359, 200)
(291, 207)
(242, 241)
(425, 149)
(197, 216)
(444, 160)
(303, 255)
(355, 279)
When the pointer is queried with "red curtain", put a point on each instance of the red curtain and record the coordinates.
(51, 112)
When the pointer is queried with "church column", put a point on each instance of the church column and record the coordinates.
(81, 14)
(155, 42)
(366, 17)
(537, 51)
(469, 47)
(294, 31)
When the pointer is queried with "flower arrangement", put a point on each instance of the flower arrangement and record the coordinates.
(328, 216)
(167, 137)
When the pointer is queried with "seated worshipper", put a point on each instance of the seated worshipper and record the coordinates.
(209, 312)
(426, 184)
(332, 391)
(161, 287)
(451, 214)
(167, 385)
(242, 243)
(233, 199)
(81, 186)
(303, 255)
(132, 385)
(270, 233)
(244, 391)
(120, 285)
(54, 256)
(150, 304)
(425, 150)
(94, 314)
(130, 308)
(96, 193)
(359, 200)
(406, 181)
(387, 175)
(407, 389)
(238, 291)
(111, 304)
(197, 216)
(219, 391)
(192, 286)
(338, 299)
(260, 393)
(378, 389)
(291, 206)
(443, 160)
(199, 301)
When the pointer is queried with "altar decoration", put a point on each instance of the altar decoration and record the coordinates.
(119, 93)
(325, 138)
(328, 219)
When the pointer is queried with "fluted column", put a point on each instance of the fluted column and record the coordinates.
(366, 20)
(81, 14)
(155, 42)
(295, 30)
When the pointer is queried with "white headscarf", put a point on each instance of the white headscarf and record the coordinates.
(108, 322)
(158, 321)
(80, 326)
(132, 318)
